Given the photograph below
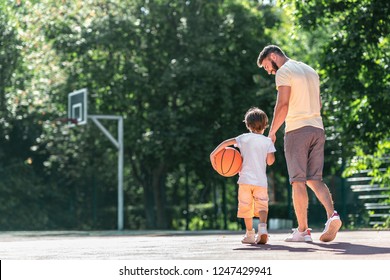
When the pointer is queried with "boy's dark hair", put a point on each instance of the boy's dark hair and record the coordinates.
(266, 51)
(256, 120)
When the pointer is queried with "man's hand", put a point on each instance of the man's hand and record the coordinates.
(272, 135)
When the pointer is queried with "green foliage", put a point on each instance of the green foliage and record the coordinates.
(355, 61)
(353, 56)
(22, 198)
(182, 73)
(9, 60)
(20, 186)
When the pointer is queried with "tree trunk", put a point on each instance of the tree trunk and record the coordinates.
(155, 199)
(160, 197)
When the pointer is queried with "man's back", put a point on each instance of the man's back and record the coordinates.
(304, 103)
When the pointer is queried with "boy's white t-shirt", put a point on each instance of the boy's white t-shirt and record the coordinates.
(254, 149)
(304, 105)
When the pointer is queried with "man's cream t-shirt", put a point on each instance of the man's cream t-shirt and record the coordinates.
(304, 105)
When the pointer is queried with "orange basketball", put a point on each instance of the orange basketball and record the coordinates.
(228, 162)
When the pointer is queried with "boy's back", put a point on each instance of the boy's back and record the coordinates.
(254, 148)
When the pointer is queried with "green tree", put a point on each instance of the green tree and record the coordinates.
(22, 191)
(180, 73)
(355, 59)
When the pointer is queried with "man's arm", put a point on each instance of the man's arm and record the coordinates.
(280, 111)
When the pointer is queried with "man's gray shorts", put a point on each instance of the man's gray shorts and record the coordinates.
(304, 152)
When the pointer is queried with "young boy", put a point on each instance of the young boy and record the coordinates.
(257, 151)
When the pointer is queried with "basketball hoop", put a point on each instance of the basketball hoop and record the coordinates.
(77, 107)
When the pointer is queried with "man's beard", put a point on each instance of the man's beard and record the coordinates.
(274, 66)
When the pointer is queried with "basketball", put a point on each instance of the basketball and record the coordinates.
(228, 162)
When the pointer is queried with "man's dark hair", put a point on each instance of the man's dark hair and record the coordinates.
(266, 51)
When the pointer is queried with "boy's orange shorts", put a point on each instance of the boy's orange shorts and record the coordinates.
(251, 200)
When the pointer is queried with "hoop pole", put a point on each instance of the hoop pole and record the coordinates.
(119, 145)
(95, 119)
(120, 175)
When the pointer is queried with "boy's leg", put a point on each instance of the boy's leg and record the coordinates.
(260, 196)
(261, 207)
(250, 234)
(262, 233)
(248, 223)
(245, 205)
(245, 211)
(263, 215)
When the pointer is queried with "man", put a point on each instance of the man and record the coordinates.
(298, 105)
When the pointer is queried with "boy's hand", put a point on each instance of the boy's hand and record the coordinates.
(212, 160)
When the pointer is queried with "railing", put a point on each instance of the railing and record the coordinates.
(374, 197)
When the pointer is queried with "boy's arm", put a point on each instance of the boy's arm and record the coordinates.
(220, 147)
(270, 158)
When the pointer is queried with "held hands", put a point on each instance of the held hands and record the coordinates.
(272, 135)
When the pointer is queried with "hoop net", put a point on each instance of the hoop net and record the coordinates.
(69, 121)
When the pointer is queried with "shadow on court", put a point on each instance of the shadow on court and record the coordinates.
(345, 248)
(338, 248)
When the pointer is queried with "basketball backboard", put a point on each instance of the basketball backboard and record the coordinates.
(77, 107)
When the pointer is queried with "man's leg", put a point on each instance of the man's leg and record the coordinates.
(301, 203)
(322, 192)
(333, 224)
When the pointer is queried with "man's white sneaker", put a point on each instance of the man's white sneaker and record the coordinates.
(332, 226)
(249, 237)
(298, 236)
(262, 235)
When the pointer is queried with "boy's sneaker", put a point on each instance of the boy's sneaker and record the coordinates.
(262, 235)
(298, 236)
(332, 226)
(249, 237)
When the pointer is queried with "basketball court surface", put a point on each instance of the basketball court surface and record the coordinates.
(188, 245)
